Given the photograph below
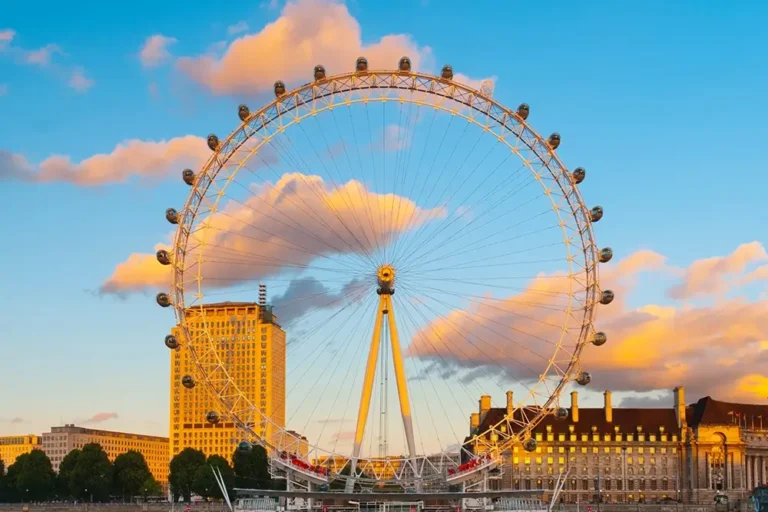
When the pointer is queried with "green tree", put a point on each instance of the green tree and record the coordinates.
(64, 478)
(33, 477)
(252, 468)
(129, 473)
(151, 487)
(184, 465)
(91, 478)
(205, 484)
(3, 492)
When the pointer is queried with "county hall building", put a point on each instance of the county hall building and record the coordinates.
(614, 454)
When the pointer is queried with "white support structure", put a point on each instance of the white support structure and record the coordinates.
(386, 281)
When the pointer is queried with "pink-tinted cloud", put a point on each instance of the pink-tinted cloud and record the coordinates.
(6, 36)
(475, 83)
(711, 275)
(155, 50)
(13, 421)
(42, 56)
(310, 214)
(79, 82)
(129, 159)
(307, 33)
(99, 417)
(717, 349)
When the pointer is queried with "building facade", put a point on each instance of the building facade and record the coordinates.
(13, 446)
(252, 346)
(613, 454)
(61, 440)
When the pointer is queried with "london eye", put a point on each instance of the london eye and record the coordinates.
(422, 246)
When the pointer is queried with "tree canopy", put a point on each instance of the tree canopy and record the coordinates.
(252, 468)
(91, 478)
(31, 478)
(184, 466)
(205, 483)
(63, 479)
(130, 472)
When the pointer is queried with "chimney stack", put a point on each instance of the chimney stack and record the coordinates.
(262, 295)
(679, 393)
(474, 422)
(485, 405)
(574, 406)
(510, 403)
(608, 407)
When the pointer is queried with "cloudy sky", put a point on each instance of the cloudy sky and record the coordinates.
(661, 103)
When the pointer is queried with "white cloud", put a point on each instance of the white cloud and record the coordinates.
(155, 50)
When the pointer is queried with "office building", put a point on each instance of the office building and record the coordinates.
(13, 446)
(61, 440)
(251, 345)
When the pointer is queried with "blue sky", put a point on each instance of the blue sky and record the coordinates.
(661, 103)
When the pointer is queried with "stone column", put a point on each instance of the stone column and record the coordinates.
(748, 465)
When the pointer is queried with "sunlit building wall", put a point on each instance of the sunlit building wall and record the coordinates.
(61, 440)
(13, 446)
(252, 347)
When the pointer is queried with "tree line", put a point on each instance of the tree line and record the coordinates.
(88, 475)
(84, 475)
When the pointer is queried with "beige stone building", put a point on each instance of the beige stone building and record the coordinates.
(61, 440)
(615, 454)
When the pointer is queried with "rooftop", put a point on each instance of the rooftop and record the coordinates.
(714, 412)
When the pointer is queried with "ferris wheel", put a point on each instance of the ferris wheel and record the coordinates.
(423, 247)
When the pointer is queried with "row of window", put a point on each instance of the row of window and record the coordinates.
(606, 449)
(617, 437)
(602, 484)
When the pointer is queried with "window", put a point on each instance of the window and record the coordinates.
(585, 485)
(561, 437)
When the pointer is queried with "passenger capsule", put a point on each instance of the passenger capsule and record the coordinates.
(579, 174)
(561, 414)
(163, 299)
(163, 257)
(213, 142)
(319, 72)
(554, 140)
(361, 66)
(244, 446)
(605, 255)
(523, 110)
(172, 216)
(171, 342)
(599, 339)
(188, 381)
(530, 445)
(606, 297)
(212, 417)
(243, 112)
(188, 176)
(404, 65)
(447, 73)
(596, 213)
(584, 378)
(279, 88)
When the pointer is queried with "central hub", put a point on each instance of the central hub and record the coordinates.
(385, 276)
